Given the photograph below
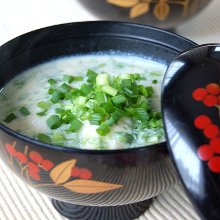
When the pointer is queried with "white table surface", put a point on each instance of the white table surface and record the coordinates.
(18, 201)
(20, 16)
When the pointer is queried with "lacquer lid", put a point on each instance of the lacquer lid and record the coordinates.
(191, 112)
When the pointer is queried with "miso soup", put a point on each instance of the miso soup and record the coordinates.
(87, 102)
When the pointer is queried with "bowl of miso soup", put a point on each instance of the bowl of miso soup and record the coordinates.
(81, 115)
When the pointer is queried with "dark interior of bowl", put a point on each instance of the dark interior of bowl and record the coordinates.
(104, 37)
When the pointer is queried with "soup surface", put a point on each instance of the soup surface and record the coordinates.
(88, 102)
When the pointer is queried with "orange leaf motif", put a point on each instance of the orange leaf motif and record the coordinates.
(123, 3)
(138, 10)
(62, 172)
(90, 186)
(161, 11)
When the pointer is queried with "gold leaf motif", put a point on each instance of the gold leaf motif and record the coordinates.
(62, 172)
(139, 9)
(123, 3)
(161, 11)
(90, 186)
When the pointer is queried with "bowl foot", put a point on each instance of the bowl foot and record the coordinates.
(123, 212)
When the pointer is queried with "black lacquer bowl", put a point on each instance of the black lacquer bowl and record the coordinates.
(164, 14)
(116, 182)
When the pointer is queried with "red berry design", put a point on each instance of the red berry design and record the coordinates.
(202, 121)
(35, 156)
(213, 88)
(21, 157)
(85, 174)
(205, 152)
(199, 94)
(75, 172)
(11, 150)
(210, 100)
(33, 167)
(47, 164)
(210, 95)
(214, 164)
(211, 131)
(215, 145)
(218, 100)
(34, 175)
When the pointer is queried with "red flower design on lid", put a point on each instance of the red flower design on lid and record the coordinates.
(210, 96)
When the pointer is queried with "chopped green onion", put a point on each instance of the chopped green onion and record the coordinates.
(142, 115)
(143, 103)
(64, 88)
(58, 137)
(80, 100)
(119, 99)
(125, 137)
(75, 125)
(126, 83)
(143, 90)
(103, 129)
(100, 110)
(78, 78)
(95, 118)
(154, 81)
(42, 113)
(10, 117)
(91, 76)
(128, 91)
(101, 97)
(155, 115)
(155, 123)
(159, 123)
(51, 82)
(108, 106)
(110, 121)
(71, 94)
(92, 103)
(51, 90)
(24, 111)
(85, 89)
(102, 100)
(85, 114)
(130, 111)
(152, 123)
(43, 105)
(59, 110)
(135, 76)
(117, 115)
(150, 91)
(102, 79)
(67, 117)
(43, 138)
(68, 78)
(125, 76)
(109, 90)
(56, 96)
(54, 122)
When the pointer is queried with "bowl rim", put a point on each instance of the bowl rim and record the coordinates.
(29, 140)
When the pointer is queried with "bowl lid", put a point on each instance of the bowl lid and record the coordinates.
(191, 114)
